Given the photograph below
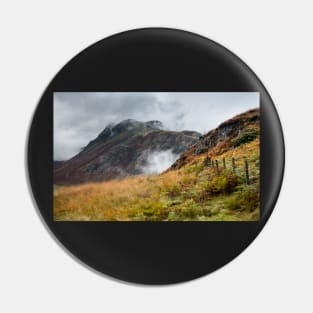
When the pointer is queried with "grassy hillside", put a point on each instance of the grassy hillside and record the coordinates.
(194, 192)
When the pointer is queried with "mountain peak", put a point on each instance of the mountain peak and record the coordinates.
(154, 124)
(128, 125)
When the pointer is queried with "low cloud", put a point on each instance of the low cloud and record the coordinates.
(158, 161)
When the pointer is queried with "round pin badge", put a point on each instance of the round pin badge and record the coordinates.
(155, 156)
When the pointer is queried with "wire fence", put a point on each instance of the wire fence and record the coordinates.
(237, 166)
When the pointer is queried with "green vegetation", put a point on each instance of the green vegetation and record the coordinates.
(245, 137)
(223, 183)
(246, 199)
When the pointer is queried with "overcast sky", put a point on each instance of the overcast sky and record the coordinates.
(80, 116)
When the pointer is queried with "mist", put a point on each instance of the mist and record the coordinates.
(158, 161)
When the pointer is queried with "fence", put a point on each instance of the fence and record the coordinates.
(220, 165)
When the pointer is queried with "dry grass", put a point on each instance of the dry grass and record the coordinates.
(175, 195)
(108, 200)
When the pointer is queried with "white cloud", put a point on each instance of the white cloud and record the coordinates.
(158, 161)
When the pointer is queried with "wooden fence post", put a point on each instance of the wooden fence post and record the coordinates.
(216, 163)
(233, 165)
(207, 162)
(224, 164)
(247, 172)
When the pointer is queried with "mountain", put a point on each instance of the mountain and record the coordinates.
(121, 150)
(227, 136)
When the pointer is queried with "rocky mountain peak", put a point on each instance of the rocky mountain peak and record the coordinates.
(128, 125)
(154, 125)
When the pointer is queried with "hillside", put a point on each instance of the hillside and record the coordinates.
(227, 136)
(208, 182)
(121, 150)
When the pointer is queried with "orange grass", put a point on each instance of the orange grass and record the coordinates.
(108, 200)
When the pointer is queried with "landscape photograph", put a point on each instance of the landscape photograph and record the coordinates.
(156, 156)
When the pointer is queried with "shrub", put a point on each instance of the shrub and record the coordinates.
(224, 183)
(195, 168)
(157, 209)
(138, 217)
(147, 210)
(191, 210)
(247, 199)
(173, 216)
(245, 137)
(188, 180)
(232, 203)
(174, 190)
(207, 212)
